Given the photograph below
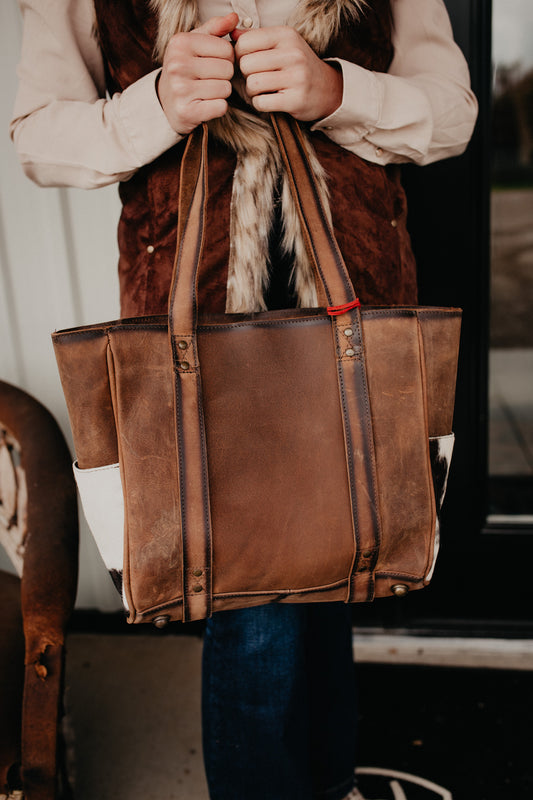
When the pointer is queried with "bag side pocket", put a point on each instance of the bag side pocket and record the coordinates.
(440, 454)
(102, 499)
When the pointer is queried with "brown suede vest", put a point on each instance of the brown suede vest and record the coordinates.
(367, 201)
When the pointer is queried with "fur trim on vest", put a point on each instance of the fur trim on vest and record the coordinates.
(258, 170)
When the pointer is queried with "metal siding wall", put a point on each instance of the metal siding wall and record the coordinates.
(58, 257)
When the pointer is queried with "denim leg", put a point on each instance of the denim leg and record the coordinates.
(273, 705)
(254, 705)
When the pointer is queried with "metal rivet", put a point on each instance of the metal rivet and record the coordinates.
(350, 352)
(184, 365)
(198, 573)
(367, 553)
(394, 223)
(197, 588)
(182, 345)
(150, 249)
(348, 332)
(161, 622)
(399, 589)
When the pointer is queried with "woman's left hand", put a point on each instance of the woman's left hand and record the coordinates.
(284, 74)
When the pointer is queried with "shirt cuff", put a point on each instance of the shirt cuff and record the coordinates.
(144, 120)
(360, 110)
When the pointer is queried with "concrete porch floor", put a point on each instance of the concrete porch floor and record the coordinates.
(133, 709)
(133, 704)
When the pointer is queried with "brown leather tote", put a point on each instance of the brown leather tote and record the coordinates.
(282, 456)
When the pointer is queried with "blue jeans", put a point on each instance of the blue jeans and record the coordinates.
(279, 711)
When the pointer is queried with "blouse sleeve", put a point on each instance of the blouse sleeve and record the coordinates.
(423, 108)
(66, 132)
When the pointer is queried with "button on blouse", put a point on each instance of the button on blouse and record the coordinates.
(261, 13)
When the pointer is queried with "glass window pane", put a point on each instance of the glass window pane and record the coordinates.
(511, 354)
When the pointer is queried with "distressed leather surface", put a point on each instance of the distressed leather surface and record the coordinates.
(397, 387)
(262, 488)
(139, 367)
(281, 510)
(91, 413)
(441, 346)
(281, 456)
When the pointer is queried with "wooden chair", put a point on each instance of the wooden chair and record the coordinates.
(39, 530)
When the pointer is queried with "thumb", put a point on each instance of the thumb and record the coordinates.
(219, 26)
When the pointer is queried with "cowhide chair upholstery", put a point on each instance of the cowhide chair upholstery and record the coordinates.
(39, 530)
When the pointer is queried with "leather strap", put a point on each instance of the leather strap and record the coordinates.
(360, 454)
(334, 286)
(190, 431)
(331, 276)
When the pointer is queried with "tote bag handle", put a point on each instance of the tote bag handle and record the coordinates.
(334, 287)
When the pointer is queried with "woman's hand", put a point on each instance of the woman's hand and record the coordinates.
(196, 76)
(284, 74)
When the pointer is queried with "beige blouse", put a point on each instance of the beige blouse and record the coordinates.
(69, 133)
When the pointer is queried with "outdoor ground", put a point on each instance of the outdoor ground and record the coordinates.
(134, 711)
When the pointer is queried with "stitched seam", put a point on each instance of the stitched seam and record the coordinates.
(178, 601)
(266, 324)
(205, 497)
(406, 575)
(282, 592)
(181, 483)
(351, 471)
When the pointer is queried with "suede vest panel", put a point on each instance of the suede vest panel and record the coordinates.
(367, 201)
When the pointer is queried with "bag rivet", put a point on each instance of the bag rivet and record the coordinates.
(198, 573)
(350, 352)
(184, 365)
(161, 622)
(348, 332)
(367, 553)
(197, 588)
(182, 345)
(399, 589)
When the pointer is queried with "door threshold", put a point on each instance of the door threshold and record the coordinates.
(443, 651)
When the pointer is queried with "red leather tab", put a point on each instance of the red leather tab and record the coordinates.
(335, 311)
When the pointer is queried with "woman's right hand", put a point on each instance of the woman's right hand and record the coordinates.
(195, 80)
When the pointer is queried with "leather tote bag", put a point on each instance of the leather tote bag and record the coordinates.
(284, 456)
